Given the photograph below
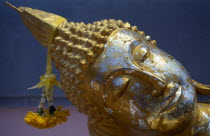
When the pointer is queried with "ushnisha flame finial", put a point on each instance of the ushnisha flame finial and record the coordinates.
(118, 76)
(41, 24)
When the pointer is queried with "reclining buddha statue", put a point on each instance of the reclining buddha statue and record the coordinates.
(118, 77)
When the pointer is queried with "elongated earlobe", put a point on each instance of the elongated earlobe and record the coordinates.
(201, 88)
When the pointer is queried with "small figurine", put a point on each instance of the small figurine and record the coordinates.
(118, 77)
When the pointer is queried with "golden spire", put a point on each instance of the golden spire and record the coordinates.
(42, 24)
(10, 5)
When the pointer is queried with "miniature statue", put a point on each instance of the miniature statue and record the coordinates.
(118, 77)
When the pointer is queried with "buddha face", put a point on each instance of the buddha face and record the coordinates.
(139, 85)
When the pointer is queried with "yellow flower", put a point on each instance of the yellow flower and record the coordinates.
(47, 121)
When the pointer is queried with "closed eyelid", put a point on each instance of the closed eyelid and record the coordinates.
(122, 92)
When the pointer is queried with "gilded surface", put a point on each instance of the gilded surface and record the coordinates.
(118, 77)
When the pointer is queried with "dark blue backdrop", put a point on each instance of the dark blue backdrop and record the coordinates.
(181, 28)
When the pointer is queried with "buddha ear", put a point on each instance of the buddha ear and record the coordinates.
(201, 88)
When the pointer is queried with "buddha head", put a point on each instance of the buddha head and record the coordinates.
(140, 85)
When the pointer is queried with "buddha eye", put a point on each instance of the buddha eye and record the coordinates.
(141, 53)
(125, 86)
(117, 87)
(122, 91)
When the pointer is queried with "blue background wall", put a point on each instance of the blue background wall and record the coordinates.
(181, 28)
